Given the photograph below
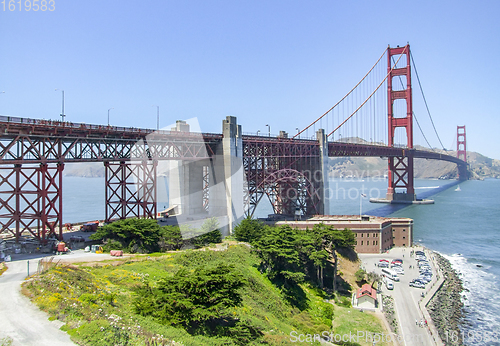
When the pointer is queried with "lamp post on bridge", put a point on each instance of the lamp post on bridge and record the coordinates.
(108, 113)
(297, 131)
(268, 130)
(258, 131)
(62, 112)
(157, 116)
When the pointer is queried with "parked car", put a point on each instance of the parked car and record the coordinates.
(76, 238)
(89, 226)
(399, 270)
(389, 285)
(424, 279)
(417, 284)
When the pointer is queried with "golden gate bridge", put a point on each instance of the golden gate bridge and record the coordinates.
(217, 173)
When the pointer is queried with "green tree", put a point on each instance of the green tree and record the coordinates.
(134, 235)
(170, 238)
(360, 275)
(333, 240)
(195, 299)
(279, 250)
(249, 230)
(210, 234)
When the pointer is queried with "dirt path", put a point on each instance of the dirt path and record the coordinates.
(22, 322)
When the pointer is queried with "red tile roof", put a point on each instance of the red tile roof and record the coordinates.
(366, 290)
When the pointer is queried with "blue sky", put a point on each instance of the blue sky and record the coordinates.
(281, 63)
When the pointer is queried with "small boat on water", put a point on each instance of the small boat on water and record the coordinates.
(458, 188)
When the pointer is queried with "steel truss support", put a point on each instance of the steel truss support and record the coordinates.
(286, 172)
(206, 188)
(31, 200)
(130, 189)
(400, 170)
(288, 189)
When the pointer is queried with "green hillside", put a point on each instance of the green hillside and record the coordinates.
(98, 303)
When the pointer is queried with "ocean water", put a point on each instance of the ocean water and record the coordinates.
(463, 225)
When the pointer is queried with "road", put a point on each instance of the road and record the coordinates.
(406, 298)
(22, 322)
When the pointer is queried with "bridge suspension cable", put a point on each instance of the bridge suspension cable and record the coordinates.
(414, 115)
(425, 101)
(343, 98)
(364, 102)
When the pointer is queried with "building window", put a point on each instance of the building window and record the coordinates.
(404, 237)
(361, 242)
(404, 230)
(361, 235)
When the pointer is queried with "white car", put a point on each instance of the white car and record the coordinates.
(389, 285)
(399, 270)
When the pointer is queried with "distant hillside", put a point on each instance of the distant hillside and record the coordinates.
(357, 167)
(87, 169)
(481, 167)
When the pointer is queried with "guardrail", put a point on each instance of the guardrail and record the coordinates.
(85, 126)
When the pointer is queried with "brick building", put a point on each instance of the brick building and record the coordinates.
(373, 234)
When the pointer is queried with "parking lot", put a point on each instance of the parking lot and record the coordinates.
(406, 298)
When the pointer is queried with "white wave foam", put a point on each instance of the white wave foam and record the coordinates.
(482, 309)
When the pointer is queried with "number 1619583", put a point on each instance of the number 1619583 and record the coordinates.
(28, 5)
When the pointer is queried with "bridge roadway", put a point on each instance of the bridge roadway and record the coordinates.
(292, 173)
(25, 140)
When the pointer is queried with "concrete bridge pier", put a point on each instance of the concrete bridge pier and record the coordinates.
(324, 190)
(228, 187)
(212, 187)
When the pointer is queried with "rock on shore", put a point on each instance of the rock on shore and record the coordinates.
(446, 307)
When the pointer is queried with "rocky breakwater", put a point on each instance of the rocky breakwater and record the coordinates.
(446, 307)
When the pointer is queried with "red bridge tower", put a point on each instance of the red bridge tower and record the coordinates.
(400, 171)
(461, 143)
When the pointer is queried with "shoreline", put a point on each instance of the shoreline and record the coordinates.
(445, 307)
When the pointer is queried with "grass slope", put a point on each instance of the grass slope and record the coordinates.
(96, 302)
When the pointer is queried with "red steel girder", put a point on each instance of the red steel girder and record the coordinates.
(130, 189)
(31, 200)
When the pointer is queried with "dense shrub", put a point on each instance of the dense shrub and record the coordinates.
(134, 235)
(199, 301)
(249, 230)
(213, 237)
(170, 238)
